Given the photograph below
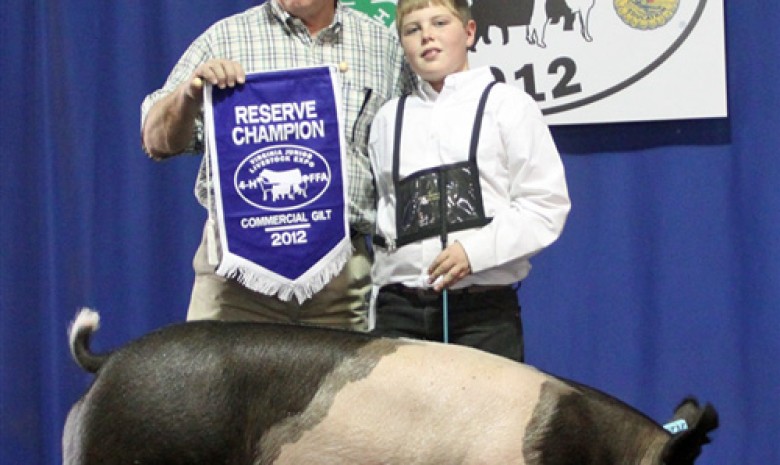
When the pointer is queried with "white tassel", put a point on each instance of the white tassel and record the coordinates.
(212, 254)
(269, 283)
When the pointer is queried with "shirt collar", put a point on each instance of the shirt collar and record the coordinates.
(426, 91)
(453, 82)
(295, 25)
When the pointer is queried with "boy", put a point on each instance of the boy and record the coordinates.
(470, 186)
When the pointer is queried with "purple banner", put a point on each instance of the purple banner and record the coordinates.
(277, 156)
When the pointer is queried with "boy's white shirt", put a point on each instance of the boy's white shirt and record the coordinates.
(521, 176)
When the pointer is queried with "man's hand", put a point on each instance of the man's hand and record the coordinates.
(217, 72)
(449, 267)
(170, 122)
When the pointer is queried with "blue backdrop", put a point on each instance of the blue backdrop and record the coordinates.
(666, 281)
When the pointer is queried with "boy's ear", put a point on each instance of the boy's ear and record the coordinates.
(471, 30)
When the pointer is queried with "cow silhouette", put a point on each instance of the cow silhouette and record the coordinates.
(534, 14)
(282, 184)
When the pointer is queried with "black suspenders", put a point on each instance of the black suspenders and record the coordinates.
(410, 228)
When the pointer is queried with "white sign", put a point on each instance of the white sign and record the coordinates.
(599, 61)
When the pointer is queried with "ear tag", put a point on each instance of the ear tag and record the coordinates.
(676, 426)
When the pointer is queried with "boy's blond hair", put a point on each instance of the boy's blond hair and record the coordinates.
(459, 8)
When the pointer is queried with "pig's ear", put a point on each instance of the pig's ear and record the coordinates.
(689, 432)
(687, 410)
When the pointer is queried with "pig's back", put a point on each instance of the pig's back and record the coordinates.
(423, 403)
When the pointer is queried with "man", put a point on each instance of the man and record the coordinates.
(281, 34)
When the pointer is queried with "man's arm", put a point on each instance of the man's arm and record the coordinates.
(168, 127)
(169, 124)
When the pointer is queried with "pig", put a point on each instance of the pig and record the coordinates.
(239, 393)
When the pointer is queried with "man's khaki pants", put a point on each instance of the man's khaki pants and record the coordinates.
(342, 303)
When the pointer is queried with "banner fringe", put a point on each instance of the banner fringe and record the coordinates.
(266, 282)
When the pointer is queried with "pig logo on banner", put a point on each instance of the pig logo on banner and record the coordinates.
(535, 15)
(282, 177)
(548, 47)
(570, 54)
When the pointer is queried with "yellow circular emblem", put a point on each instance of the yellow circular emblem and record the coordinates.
(646, 14)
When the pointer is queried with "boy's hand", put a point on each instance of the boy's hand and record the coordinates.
(449, 267)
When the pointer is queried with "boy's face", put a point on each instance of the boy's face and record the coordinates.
(435, 42)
